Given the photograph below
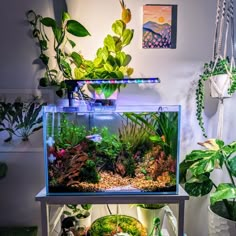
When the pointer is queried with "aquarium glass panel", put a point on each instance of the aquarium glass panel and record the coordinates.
(132, 150)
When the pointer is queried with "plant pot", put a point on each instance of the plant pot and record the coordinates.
(100, 102)
(220, 226)
(84, 222)
(146, 217)
(219, 85)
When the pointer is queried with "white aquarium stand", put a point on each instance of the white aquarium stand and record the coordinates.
(49, 222)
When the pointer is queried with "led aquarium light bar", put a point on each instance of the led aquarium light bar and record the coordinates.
(119, 81)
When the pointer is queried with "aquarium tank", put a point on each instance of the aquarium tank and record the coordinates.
(129, 150)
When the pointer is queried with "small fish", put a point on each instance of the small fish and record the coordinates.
(95, 138)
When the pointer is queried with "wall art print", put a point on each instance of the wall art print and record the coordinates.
(159, 26)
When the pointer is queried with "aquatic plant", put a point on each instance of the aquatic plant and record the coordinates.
(136, 136)
(79, 211)
(162, 128)
(69, 134)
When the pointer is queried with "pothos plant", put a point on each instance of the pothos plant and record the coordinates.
(110, 61)
(196, 174)
(221, 66)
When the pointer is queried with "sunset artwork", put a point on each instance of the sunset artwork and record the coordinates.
(159, 26)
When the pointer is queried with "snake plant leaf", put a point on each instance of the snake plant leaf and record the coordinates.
(109, 42)
(198, 186)
(118, 27)
(223, 191)
(232, 165)
(76, 29)
(76, 58)
(127, 36)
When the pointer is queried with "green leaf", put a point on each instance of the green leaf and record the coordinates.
(44, 58)
(49, 22)
(127, 36)
(65, 16)
(118, 27)
(232, 165)
(103, 53)
(72, 43)
(76, 29)
(108, 67)
(109, 42)
(77, 59)
(223, 191)
(198, 186)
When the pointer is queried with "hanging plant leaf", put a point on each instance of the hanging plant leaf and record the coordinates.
(76, 59)
(72, 43)
(76, 29)
(49, 22)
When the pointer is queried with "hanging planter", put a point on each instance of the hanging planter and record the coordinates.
(219, 86)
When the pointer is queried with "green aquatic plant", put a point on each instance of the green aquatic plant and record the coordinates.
(135, 135)
(69, 134)
(162, 128)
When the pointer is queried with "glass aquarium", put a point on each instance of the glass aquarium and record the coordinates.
(131, 150)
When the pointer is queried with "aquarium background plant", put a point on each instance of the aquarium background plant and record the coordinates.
(110, 61)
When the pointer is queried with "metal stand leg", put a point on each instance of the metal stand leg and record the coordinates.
(181, 218)
(45, 218)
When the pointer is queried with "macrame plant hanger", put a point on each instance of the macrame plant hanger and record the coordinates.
(224, 29)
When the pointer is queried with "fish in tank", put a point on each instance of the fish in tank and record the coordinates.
(133, 149)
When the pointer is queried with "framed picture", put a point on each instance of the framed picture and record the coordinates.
(159, 26)
(17, 119)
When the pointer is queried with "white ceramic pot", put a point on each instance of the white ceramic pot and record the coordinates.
(219, 226)
(146, 216)
(219, 85)
(84, 222)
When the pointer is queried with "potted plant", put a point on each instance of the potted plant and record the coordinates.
(222, 77)
(81, 213)
(110, 61)
(196, 174)
(147, 213)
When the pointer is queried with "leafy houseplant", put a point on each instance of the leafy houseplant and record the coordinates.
(79, 211)
(110, 61)
(214, 68)
(20, 119)
(196, 170)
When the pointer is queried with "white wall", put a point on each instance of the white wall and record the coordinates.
(177, 68)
